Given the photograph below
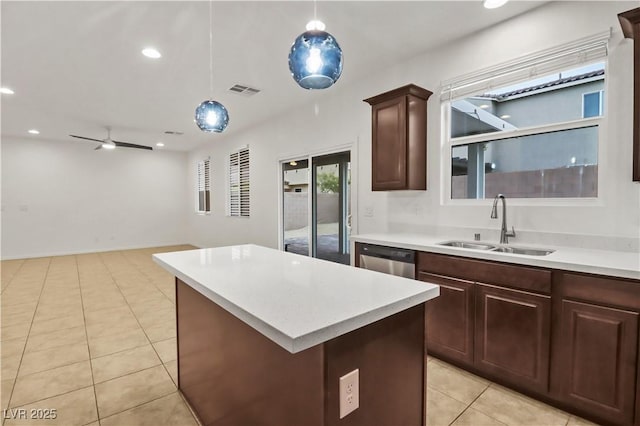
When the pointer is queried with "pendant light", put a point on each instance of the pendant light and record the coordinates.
(211, 116)
(315, 59)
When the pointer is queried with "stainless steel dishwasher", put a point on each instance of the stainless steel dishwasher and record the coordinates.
(394, 261)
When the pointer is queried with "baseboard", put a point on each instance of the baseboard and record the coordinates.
(90, 251)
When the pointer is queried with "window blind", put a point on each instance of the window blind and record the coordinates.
(204, 186)
(239, 203)
(579, 52)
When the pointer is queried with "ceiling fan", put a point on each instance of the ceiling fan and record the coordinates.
(109, 143)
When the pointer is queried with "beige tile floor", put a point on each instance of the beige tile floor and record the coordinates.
(93, 336)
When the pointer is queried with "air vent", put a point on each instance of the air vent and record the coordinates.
(244, 90)
(173, 132)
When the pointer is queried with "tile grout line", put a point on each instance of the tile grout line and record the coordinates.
(146, 277)
(139, 405)
(44, 280)
(138, 321)
(143, 330)
(86, 335)
(55, 396)
(470, 404)
(13, 276)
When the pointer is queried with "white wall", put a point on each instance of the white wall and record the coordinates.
(338, 116)
(64, 197)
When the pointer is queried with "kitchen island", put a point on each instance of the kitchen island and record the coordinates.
(264, 337)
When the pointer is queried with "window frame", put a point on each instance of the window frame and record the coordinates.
(447, 143)
(206, 164)
(600, 101)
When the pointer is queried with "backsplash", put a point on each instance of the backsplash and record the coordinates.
(600, 242)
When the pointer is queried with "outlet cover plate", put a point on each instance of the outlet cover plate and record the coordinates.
(349, 392)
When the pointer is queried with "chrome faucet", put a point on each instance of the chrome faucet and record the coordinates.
(504, 234)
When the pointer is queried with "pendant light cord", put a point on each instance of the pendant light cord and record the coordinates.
(211, 48)
(315, 10)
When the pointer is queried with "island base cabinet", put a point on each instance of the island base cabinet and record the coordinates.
(233, 375)
(450, 324)
(596, 365)
(512, 336)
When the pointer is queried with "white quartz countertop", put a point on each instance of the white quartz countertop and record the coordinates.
(296, 301)
(603, 262)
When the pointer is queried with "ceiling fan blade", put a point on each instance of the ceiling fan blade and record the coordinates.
(131, 145)
(89, 139)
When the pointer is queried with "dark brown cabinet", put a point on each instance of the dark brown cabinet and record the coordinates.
(450, 318)
(568, 338)
(512, 335)
(399, 139)
(595, 362)
(491, 317)
(630, 23)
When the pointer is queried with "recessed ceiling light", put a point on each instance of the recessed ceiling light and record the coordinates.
(505, 116)
(160, 144)
(6, 91)
(484, 106)
(150, 52)
(494, 4)
(34, 132)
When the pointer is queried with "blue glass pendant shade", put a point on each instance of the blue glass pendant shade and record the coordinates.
(212, 116)
(315, 60)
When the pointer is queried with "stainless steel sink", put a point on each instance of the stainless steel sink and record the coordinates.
(468, 245)
(523, 250)
(497, 248)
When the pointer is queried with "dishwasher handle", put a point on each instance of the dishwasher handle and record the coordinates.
(389, 253)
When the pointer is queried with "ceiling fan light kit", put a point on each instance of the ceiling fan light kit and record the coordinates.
(110, 144)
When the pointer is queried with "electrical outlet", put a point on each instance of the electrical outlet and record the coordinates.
(349, 392)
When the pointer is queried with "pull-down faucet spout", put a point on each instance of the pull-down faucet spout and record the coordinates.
(504, 234)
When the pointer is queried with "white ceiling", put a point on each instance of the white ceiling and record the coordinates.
(76, 67)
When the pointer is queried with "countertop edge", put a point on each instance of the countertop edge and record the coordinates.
(538, 261)
(300, 343)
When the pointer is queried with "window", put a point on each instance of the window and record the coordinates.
(238, 200)
(203, 187)
(525, 134)
(592, 104)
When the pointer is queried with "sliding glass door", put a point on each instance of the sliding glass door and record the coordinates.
(316, 206)
(295, 207)
(330, 207)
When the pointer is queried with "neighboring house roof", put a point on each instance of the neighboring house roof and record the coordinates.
(547, 85)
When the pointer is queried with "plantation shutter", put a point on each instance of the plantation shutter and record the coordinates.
(239, 200)
(204, 186)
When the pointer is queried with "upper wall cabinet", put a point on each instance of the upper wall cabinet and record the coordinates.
(630, 22)
(399, 139)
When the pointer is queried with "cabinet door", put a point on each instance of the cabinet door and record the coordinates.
(596, 363)
(449, 324)
(513, 335)
(389, 145)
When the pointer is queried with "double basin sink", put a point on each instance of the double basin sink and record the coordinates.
(497, 248)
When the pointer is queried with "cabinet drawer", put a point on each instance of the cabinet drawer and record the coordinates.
(516, 276)
(601, 290)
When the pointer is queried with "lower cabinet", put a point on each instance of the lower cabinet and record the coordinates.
(569, 338)
(450, 325)
(512, 336)
(597, 363)
(595, 359)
